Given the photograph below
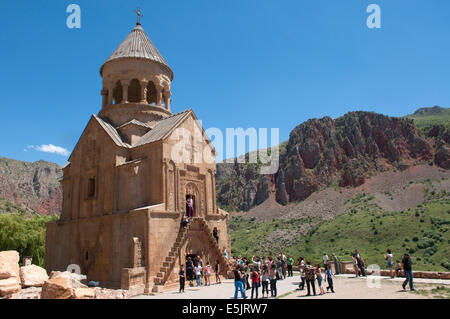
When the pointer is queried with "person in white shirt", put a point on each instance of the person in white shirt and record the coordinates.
(325, 259)
(198, 274)
(390, 263)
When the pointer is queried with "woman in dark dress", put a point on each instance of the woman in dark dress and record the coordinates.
(216, 234)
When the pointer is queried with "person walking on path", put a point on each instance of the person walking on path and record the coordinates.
(265, 281)
(319, 279)
(337, 264)
(255, 282)
(182, 278)
(390, 263)
(325, 259)
(290, 261)
(217, 271)
(301, 265)
(238, 284)
(407, 268)
(355, 265)
(216, 234)
(190, 271)
(398, 268)
(207, 274)
(273, 273)
(246, 275)
(310, 278)
(280, 268)
(360, 261)
(283, 265)
(329, 278)
(198, 274)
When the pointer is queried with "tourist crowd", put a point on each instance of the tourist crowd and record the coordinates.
(265, 272)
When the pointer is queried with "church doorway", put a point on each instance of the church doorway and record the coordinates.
(190, 205)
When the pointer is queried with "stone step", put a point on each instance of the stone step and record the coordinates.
(167, 264)
(160, 274)
(170, 259)
(171, 254)
(164, 269)
(158, 288)
(158, 281)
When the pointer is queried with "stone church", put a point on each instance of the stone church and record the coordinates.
(125, 195)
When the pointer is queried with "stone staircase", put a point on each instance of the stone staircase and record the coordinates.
(174, 253)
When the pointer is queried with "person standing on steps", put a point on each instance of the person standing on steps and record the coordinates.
(182, 278)
(217, 270)
(407, 268)
(185, 221)
(216, 235)
(190, 206)
(238, 284)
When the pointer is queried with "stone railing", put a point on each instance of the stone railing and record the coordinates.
(347, 268)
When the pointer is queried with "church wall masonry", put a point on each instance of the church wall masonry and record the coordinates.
(124, 191)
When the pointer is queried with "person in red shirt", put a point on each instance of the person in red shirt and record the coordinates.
(255, 282)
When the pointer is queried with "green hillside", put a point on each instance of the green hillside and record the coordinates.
(425, 118)
(7, 206)
(422, 231)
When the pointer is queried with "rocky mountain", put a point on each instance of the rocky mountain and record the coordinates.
(33, 186)
(320, 152)
(344, 152)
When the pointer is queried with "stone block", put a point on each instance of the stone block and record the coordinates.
(9, 286)
(33, 276)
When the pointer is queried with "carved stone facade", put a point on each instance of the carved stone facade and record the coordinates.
(125, 188)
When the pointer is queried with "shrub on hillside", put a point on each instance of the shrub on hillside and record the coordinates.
(425, 243)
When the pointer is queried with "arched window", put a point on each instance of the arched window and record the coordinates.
(134, 91)
(151, 93)
(118, 93)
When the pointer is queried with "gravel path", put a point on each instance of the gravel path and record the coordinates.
(346, 287)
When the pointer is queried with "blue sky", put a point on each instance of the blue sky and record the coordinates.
(246, 63)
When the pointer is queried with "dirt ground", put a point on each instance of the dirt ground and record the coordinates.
(358, 288)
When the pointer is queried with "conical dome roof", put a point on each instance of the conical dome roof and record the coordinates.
(139, 46)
